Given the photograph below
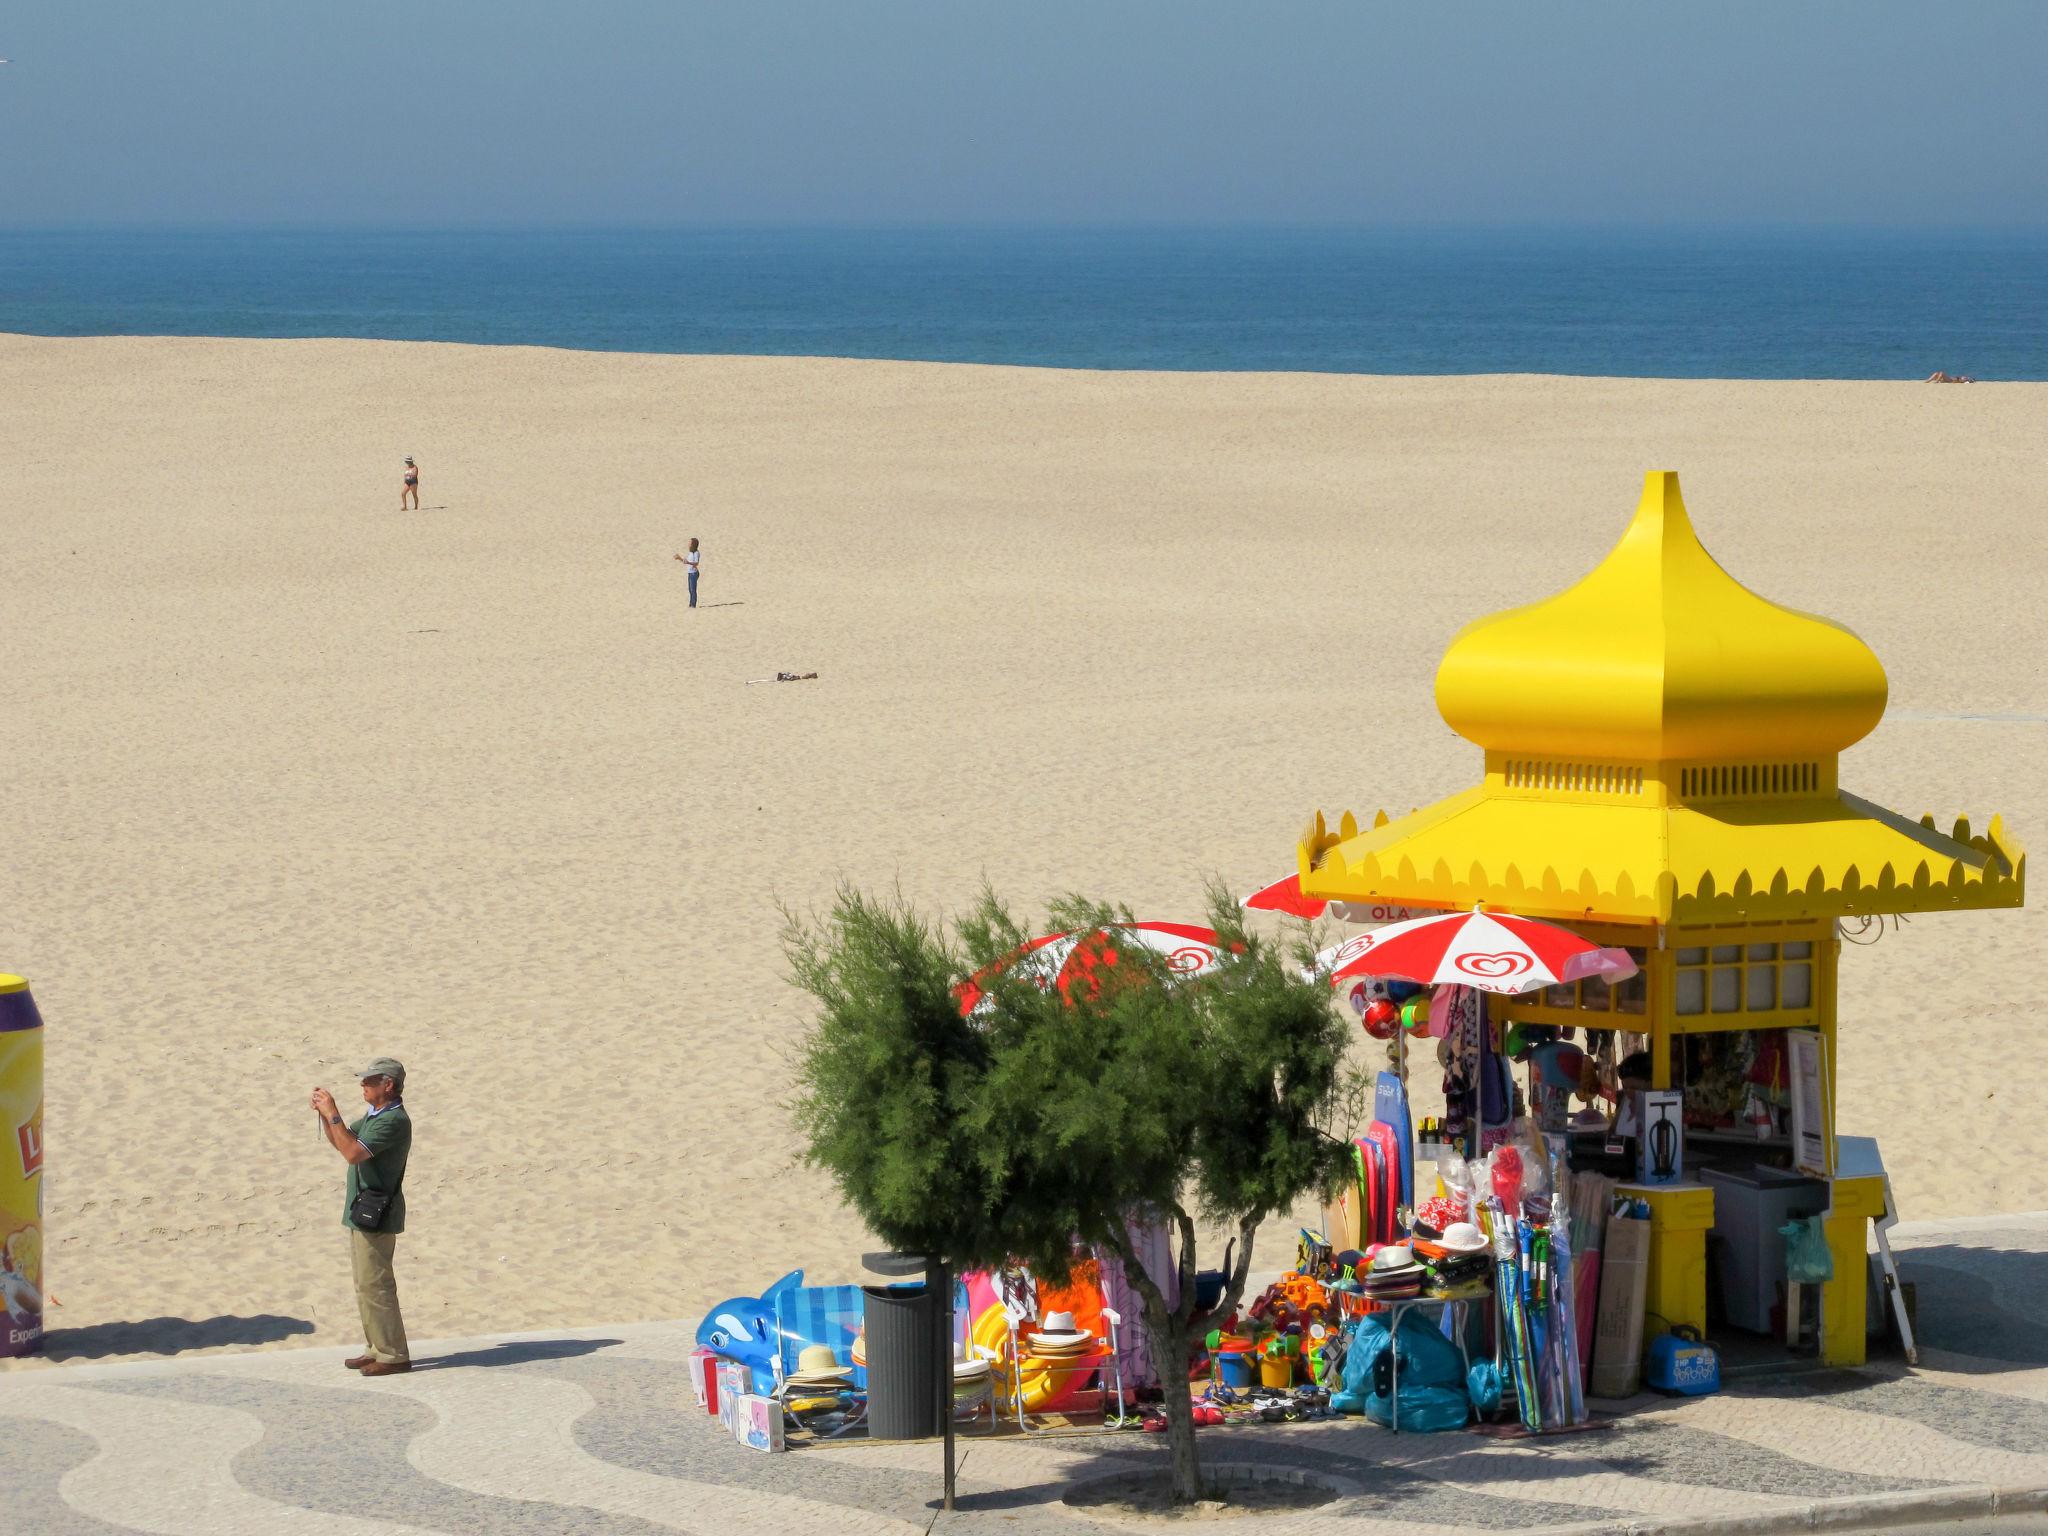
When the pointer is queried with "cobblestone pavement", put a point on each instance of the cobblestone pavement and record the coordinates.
(594, 1431)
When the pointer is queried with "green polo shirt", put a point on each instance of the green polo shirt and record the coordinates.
(388, 1135)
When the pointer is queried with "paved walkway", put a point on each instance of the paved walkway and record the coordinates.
(595, 1432)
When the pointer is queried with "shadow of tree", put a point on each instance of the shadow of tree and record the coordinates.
(169, 1335)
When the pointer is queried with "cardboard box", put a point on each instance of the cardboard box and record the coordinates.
(733, 1384)
(1618, 1328)
(704, 1379)
(757, 1422)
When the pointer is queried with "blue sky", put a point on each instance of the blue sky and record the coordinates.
(655, 112)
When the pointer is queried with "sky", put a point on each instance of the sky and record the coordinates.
(453, 113)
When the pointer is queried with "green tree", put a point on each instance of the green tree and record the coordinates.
(1049, 1116)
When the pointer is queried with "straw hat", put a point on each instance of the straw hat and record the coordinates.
(1462, 1237)
(817, 1365)
(1393, 1259)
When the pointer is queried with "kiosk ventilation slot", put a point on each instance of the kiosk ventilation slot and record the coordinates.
(1749, 781)
(1573, 778)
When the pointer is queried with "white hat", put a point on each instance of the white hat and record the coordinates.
(1396, 1257)
(1463, 1237)
(1058, 1322)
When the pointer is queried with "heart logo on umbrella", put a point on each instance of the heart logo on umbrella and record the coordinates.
(1493, 966)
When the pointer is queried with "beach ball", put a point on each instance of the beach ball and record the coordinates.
(1382, 1019)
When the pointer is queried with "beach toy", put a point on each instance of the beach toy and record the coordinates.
(1234, 1368)
(743, 1329)
(1415, 1015)
(1276, 1372)
(1382, 1019)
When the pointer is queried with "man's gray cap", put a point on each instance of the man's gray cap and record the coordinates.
(386, 1066)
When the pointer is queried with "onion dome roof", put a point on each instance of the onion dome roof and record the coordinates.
(1659, 655)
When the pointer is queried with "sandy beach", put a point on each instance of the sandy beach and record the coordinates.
(294, 778)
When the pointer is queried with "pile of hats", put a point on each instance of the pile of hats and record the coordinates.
(1394, 1275)
(1058, 1339)
(1458, 1264)
(818, 1379)
(972, 1379)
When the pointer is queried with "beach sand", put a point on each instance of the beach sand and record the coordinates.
(294, 778)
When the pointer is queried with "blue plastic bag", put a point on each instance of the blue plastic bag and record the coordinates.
(1807, 1259)
(1432, 1375)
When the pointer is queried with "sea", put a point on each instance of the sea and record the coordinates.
(1749, 303)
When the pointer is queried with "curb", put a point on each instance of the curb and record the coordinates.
(1962, 1502)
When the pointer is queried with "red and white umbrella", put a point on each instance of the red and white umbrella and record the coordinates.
(1080, 962)
(1286, 896)
(1494, 952)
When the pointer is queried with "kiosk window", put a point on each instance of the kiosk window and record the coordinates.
(1743, 978)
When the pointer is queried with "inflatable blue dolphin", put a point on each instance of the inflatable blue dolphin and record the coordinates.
(743, 1329)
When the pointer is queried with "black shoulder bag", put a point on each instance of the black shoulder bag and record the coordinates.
(368, 1208)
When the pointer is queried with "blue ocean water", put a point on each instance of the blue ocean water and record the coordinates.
(1742, 304)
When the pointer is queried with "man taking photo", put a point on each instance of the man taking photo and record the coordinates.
(373, 1209)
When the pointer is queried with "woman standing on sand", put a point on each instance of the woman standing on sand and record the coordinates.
(410, 486)
(692, 559)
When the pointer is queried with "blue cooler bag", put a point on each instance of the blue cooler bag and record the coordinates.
(1680, 1363)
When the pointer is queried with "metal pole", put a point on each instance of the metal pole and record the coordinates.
(941, 1276)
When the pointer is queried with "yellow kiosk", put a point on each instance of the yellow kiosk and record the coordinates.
(21, 1170)
(1661, 748)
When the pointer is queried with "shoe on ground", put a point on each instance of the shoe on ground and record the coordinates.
(357, 1362)
(387, 1367)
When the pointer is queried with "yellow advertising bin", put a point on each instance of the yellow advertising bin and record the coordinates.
(21, 1167)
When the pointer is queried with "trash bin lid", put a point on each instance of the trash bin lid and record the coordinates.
(886, 1263)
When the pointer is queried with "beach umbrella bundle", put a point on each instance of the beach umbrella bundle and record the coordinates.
(1080, 964)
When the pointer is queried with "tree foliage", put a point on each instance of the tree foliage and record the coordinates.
(1052, 1115)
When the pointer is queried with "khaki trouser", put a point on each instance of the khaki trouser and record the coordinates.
(377, 1294)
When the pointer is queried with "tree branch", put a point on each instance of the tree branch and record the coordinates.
(1186, 1308)
(1234, 1282)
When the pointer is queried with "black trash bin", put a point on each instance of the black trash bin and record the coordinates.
(903, 1362)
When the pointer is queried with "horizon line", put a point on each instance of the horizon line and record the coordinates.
(1673, 227)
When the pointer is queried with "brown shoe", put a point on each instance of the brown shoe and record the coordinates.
(357, 1362)
(387, 1367)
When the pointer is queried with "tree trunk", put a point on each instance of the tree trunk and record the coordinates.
(1170, 1345)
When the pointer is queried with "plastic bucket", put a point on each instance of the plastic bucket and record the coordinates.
(1276, 1371)
(1234, 1370)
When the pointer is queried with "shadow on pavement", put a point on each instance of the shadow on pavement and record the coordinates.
(521, 1352)
(169, 1335)
(1980, 1302)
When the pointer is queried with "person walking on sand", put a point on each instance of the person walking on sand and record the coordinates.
(693, 559)
(373, 1208)
(410, 486)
